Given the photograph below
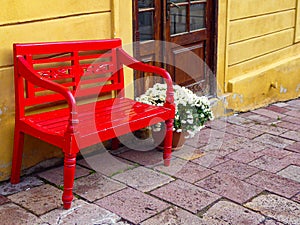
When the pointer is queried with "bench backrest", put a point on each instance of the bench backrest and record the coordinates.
(87, 68)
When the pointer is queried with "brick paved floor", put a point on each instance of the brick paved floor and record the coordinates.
(243, 169)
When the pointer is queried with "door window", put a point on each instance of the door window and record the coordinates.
(146, 19)
(197, 16)
(178, 19)
(186, 16)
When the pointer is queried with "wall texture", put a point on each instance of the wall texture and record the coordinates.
(259, 51)
(38, 21)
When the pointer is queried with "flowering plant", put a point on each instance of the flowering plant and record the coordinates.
(191, 111)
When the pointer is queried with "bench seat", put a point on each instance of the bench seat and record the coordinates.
(97, 121)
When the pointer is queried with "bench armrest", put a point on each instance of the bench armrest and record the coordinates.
(137, 65)
(25, 70)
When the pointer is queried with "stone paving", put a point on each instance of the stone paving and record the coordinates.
(243, 169)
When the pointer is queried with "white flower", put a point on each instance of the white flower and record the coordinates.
(191, 111)
(190, 121)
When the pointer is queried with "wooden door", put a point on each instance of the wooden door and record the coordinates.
(147, 22)
(185, 27)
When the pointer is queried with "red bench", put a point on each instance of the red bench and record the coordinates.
(79, 76)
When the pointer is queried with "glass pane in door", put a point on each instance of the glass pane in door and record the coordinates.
(145, 4)
(178, 18)
(146, 27)
(197, 16)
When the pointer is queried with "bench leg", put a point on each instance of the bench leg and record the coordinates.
(17, 157)
(69, 173)
(168, 143)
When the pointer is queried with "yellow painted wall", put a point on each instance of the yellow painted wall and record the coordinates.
(258, 51)
(38, 21)
(297, 33)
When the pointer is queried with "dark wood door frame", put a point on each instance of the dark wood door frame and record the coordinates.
(161, 34)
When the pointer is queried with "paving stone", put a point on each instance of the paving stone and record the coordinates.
(229, 187)
(39, 200)
(294, 113)
(291, 172)
(275, 183)
(192, 172)
(238, 120)
(96, 186)
(6, 188)
(277, 153)
(132, 205)
(295, 147)
(293, 107)
(257, 118)
(269, 113)
(218, 150)
(244, 155)
(13, 214)
(217, 124)
(270, 164)
(293, 158)
(3, 200)
(236, 169)
(210, 160)
(146, 158)
(133, 142)
(296, 198)
(281, 104)
(175, 166)
(229, 213)
(270, 128)
(275, 141)
(188, 153)
(294, 102)
(174, 216)
(222, 150)
(291, 119)
(185, 170)
(143, 179)
(81, 213)
(276, 207)
(206, 137)
(294, 135)
(106, 163)
(254, 146)
(219, 142)
(278, 109)
(56, 175)
(238, 142)
(186, 195)
(288, 125)
(243, 131)
(269, 221)
(45, 164)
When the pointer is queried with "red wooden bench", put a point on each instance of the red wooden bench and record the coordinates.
(79, 74)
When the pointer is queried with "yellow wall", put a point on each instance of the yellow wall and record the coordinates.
(55, 20)
(258, 51)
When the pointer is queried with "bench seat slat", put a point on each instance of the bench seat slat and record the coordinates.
(100, 117)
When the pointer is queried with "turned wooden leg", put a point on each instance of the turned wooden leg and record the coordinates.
(69, 173)
(168, 143)
(17, 157)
